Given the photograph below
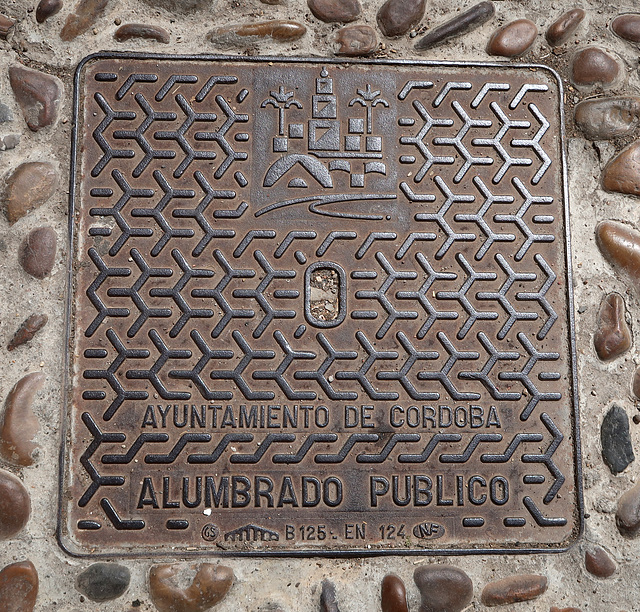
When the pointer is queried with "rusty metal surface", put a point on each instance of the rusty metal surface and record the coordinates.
(318, 307)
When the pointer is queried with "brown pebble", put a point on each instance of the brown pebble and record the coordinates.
(272, 1)
(209, 586)
(19, 424)
(46, 9)
(333, 11)
(613, 336)
(19, 587)
(29, 187)
(627, 27)
(622, 173)
(513, 39)
(38, 252)
(562, 28)
(15, 505)
(29, 328)
(514, 589)
(397, 17)
(85, 14)
(38, 95)
(599, 563)
(620, 245)
(606, 118)
(443, 588)
(554, 609)
(635, 385)
(593, 66)
(394, 594)
(356, 40)
(243, 34)
(628, 512)
(6, 23)
(140, 30)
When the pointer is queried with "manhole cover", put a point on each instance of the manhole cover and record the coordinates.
(318, 307)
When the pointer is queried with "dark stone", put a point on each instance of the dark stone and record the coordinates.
(593, 66)
(562, 28)
(617, 450)
(397, 17)
(209, 586)
(272, 1)
(246, 34)
(622, 173)
(85, 14)
(46, 9)
(599, 563)
(620, 245)
(613, 336)
(38, 95)
(29, 328)
(19, 425)
(6, 23)
(635, 384)
(461, 24)
(104, 581)
(356, 40)
(606, 118)
(443, 588)
(29, 187)
(627, 27)
(19, 587)
(5, 113)
(328, 599)
(15, 506)
(513, 39)
(333, 11)
(628, 513)
(139, 30)
(394, 594)
(38, 252)
(514, 589)
(180, 6)
(10, 141)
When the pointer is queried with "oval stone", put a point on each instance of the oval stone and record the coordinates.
(635, 384)
(627, 27)
(356, 40)
(29, 328)
(104, 581)
(38, 95)
(19, 587)
(622, 173)
(85, 14)
(617, 450)
(443, 588)
(513, 39)
(333, 11)
(394, 594)
(628, 512)
(554, 609)
(514, 589)
(397, 17)
(613, 336)
(140, 30)
(606, 118)
(29, 187)
(15, 505)
(245, 34)
(562, 28)
(46, 9)
(599, 563)
(38, 252)
(593, 66)
(620, 245)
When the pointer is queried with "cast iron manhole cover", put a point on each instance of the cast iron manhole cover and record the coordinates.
(318, 307)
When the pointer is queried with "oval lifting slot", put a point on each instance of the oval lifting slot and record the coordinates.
(325, 294)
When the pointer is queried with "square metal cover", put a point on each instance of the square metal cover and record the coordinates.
(318, 307)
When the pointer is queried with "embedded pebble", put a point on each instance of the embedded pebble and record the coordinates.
(19, 587)
(85, 14)
(617, 450)
(6, 23)
(333, 11)
(620, 245)
(244, 34)
(328, 599)
(10, 141)
(180, 6)
(443, 588)
(5, 113)
(593, 66)
(29, 328)
(513, 39)
(628, 512)
(356, 40)
(394, 594)
(104, 581)
(599, 563)
(272, 1)
(554, 609)
(38, 95)
(606, 118)
(562, 28)
(19, 424)
(46, 9)
(29, 187)
(613, 336)
(627, 27)
(514, 589)
(140, 30)
(15, 505)
(461, 24)
(397, 17)
(38, 252)
(635, 385)
(209, 586)
(622, 173)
